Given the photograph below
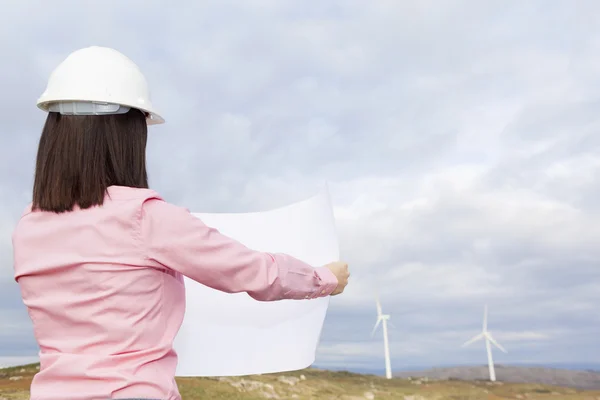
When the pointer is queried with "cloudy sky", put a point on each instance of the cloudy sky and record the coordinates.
(460, 140)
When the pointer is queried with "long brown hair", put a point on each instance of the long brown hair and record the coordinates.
(79, 157)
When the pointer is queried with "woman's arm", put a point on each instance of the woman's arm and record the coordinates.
(176, 239)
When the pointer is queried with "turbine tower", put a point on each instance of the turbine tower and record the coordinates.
(383, 319)
(489, 340)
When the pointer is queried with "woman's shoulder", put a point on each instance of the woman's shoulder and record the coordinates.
(28, 209)
(131, 193)
(150, 201)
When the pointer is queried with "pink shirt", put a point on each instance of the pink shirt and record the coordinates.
(104, 290)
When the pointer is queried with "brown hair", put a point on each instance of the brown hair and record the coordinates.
(79, 157)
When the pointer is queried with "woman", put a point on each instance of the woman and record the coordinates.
(99, 257)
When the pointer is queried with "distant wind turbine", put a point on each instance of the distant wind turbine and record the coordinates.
(383, 319)
(485, 334)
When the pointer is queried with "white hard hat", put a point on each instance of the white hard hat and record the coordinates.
(98, 80)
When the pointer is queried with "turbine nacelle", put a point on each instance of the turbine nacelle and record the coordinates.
(379, 319)
(487, 336)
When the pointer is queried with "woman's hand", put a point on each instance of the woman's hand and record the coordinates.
(340, 270)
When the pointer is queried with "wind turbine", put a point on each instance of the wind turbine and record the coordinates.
(383, 319)
(485, 334)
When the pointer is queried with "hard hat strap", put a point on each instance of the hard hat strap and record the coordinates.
(87, 108)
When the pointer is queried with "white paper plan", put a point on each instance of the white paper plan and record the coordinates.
(232, 334)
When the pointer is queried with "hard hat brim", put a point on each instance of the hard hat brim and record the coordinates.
(153, 118)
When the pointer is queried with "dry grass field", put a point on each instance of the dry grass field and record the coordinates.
(321, 385)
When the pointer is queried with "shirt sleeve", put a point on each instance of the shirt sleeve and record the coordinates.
(176, 239)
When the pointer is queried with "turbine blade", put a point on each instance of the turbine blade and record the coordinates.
(485, 318)
(379, 312)
(376, 325)
(491, 339)
(473, 339)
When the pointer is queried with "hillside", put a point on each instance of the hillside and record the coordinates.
(513, 374)
(321, 385)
